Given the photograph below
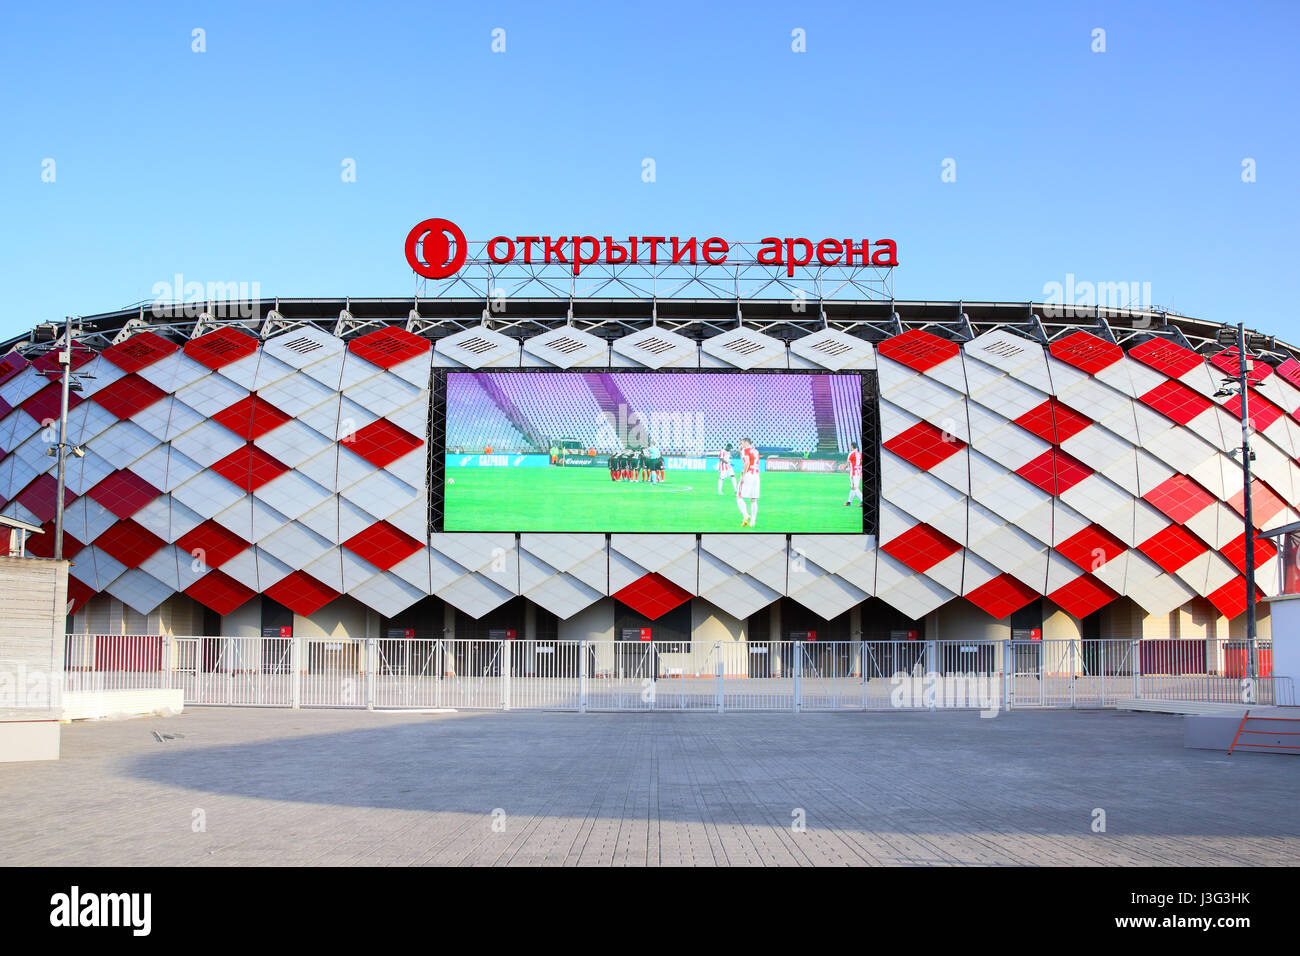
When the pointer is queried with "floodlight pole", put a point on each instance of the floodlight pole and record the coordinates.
(1247, 512)
(65, 362)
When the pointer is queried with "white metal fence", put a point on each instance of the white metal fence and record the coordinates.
(384, 673)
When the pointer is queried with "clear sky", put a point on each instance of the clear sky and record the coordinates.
(225, 166)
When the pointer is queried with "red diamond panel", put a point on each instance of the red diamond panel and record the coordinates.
(1264, 504)
(382, 545)
(78, 594)
(301, 593)
(1231, 598)
(220, 348)
(1262, 412)
(1082, 596)
(918, 349)
(1227, 361)
(1087, 352)
(1166, 356)
(42, 545)
(40, 496)
(139, 351)
(1289, 370)
(1175, 400)
(1179, 497)
(214, 543)
(924, 445)
(251, 417)
(128, 395)
(1173, 547)
(1091, 548)
(5, 409)
(46, 405)
(1235, 551)
(1002, 596)
(921, 547)
(388, 347)
(249, 467)
(124, 493)
(11, 365)
(381, 442)
(129, 543)
(652, 595)
(1053, 422)
(220, 592)
(1054, 471)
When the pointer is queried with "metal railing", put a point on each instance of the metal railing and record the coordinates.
(794, 676)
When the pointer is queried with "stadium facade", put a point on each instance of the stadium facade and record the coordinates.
(1062, 477)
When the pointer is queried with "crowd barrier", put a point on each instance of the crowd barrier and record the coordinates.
(795, 676)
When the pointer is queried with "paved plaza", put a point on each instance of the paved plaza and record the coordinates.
(278, 787)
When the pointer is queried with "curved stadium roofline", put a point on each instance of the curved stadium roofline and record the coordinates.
(611, 318)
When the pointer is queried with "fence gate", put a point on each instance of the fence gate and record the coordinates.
(1048, 673)
(752, 676)
(1025, 675)
(894, 674)
(236, 671)
(545, 675)
(408, 673)
(831, 675)
(473, 676)
(624, 676)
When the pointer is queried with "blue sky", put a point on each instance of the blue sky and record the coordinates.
(225, 166)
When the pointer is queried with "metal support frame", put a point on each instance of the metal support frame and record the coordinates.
(870, 440)
(871, 318)
(1247, 517)
(720, 671)
(582, 676)
(796, 661)
(63, 448)
(435, 465)
(1240, 386)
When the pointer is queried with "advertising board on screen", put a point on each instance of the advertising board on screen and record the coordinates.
(654, 452)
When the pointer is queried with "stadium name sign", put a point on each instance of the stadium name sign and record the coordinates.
(436, 249)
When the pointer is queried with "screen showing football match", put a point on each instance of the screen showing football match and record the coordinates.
(654, 451)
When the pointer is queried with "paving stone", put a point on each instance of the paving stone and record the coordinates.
(349, 787)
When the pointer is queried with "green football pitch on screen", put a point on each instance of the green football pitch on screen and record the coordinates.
(573, 499)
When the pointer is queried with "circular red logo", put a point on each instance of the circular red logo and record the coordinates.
(429, 248)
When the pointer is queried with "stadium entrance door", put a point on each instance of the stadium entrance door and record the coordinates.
(408, 642)
(637, 660)
(640, 640)
(760, 650)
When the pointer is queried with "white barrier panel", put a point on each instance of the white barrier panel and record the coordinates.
(235, 671)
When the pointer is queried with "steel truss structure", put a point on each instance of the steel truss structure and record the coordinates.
(610, 318)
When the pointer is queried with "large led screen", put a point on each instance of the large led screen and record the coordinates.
(654, 451)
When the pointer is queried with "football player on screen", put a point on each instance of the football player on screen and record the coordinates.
(855, 474)
(724, 468)
(654, 463)
(748, 489)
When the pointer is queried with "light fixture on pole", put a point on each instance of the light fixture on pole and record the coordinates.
(62, 448)
(1239, 386)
